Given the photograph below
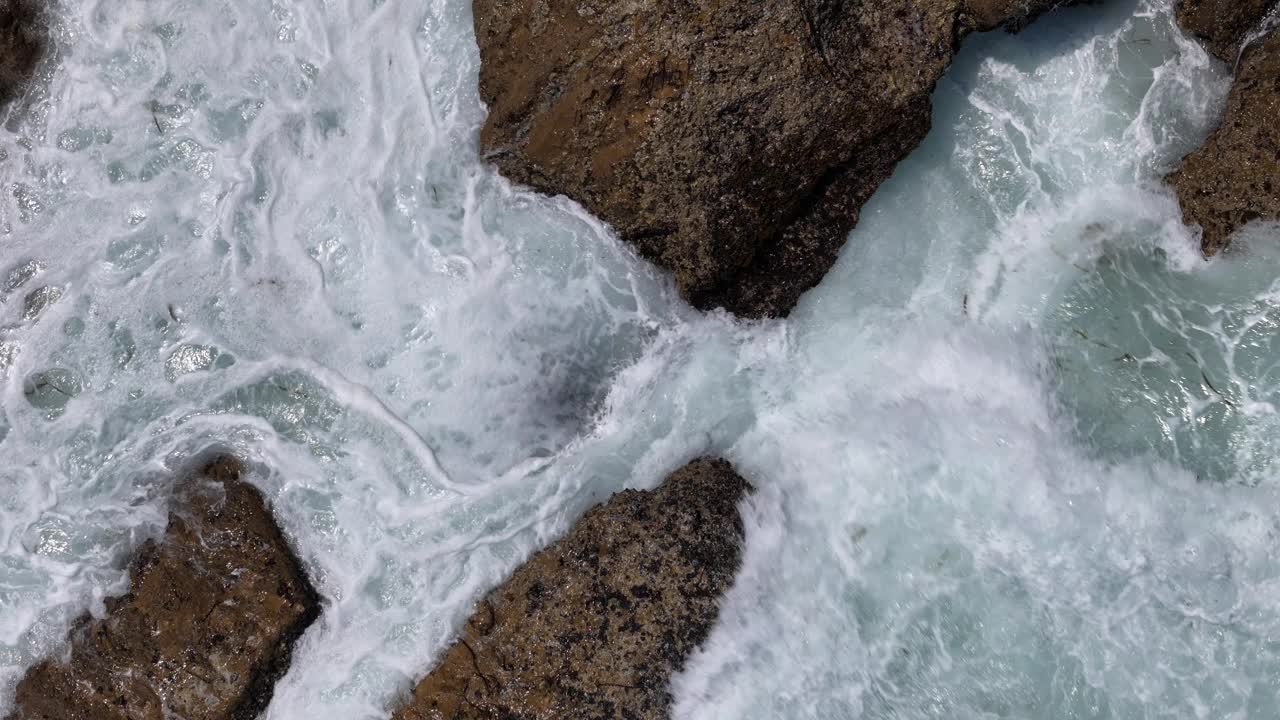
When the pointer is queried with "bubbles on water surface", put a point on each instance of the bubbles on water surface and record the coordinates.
(288, 247)
(963, 524)
(189, 359)
(294, 404)
(51, 390)
(1180, 364)
(21, 273)
(435, 373)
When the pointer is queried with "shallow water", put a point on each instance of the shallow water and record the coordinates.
(1012, 456)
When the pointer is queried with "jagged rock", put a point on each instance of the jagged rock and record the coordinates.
(23, 42)
(206, 628)
(732, 143)
(1222, 24)
(593, 626)
(1234, 177)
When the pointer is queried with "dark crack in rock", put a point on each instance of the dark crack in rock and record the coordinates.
(593, 626)
(208, 624)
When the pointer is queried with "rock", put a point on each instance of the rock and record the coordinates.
(732, 143)
(1009, 14)
(1223, 24)
(1234, 177)
(23, 43)
(206, 628)
(593, 626)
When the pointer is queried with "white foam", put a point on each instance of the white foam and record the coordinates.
(435, 373)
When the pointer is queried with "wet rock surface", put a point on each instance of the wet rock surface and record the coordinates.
(1009, 14)
(23, 43)
(207, 626)
(1234, 178)
(594, 625)
(732, 143)
(1223, 24)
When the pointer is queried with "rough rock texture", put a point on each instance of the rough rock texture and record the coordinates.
(593, 626)
(733, 143)
(1235, 176)
(1009, 14)
(1222, 24)
(23, 42)
(206, 628)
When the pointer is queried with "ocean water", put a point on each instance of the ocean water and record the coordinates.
(1014, 458)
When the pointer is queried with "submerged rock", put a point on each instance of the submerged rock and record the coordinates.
(1234, 178)
(594, 625)
(206, 628)
(732, 143)
(23, 43)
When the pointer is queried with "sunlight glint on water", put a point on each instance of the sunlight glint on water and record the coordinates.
(266, 227)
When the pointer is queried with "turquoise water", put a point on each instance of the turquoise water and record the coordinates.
(1011, 456)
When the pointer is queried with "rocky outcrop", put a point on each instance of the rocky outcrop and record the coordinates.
(1222, 25)
(206, 628)
(1234, 178)
(733, 143)
(593, 626)
(23, 42)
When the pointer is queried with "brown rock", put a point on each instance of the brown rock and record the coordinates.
(1223, 24)
(733, 143)
(23, 42)
(1235, 176)
(593, 626)
(206, 628)
(1009, 14)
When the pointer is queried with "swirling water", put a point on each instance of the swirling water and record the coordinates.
(1013, 458)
